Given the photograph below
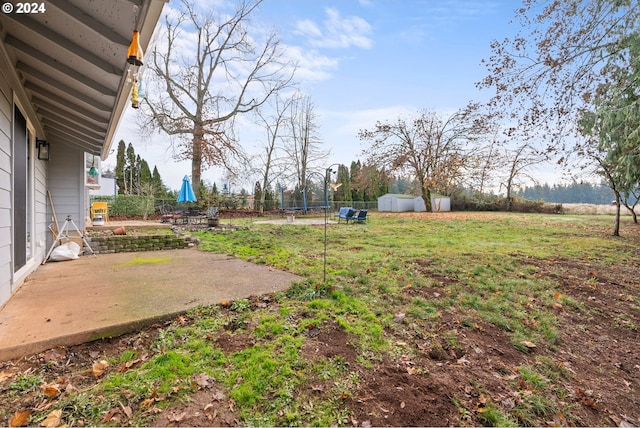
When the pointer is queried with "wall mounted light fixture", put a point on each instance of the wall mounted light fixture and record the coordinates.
(43, 149)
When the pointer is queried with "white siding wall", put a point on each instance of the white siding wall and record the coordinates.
(66, 184)
(42, 220)
(9, 282)
(6, 274)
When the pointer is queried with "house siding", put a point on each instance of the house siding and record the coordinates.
(66, 185)
(10, 281)
(6, 274)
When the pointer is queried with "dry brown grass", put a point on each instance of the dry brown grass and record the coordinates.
(593, 209)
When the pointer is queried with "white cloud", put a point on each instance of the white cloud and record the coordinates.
(308, 28)
(312, 66)
(337, 32)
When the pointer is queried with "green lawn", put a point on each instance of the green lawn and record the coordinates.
(400, 288)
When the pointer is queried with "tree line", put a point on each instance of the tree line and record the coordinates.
(574, 193)
(133, 175)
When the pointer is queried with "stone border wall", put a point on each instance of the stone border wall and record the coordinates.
(125, 244)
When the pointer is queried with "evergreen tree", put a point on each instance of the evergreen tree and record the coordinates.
(120, 167)
(129, 170)
(157, 183)
(356, 194)
(145, 172)
(257, 196)
(343, 193)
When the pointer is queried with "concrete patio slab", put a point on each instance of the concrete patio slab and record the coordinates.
(71, 302)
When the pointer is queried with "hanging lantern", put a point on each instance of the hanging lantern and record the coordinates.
(134, 53)
(93, 172)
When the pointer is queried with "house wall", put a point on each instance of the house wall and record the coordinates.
(66, 184)
(6, 232)
(10, 281)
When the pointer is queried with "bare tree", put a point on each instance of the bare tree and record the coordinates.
(482, 166)
(274, 125)
(556, 64)
(207, 70)
(432, 149)
(518, 160)
(303, 142)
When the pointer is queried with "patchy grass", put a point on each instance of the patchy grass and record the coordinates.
(492, 319)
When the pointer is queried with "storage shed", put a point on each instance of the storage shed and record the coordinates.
(396, 203)
(402, 203)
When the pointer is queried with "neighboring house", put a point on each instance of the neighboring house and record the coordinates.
(108, 187)
(403, 203)
(64, 81)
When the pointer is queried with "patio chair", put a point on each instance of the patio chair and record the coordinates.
(100, 209)
(361, 217)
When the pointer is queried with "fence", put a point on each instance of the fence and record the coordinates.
(143, 206)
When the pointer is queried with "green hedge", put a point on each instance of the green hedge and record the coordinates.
(128, 205)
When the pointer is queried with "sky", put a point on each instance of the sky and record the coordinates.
(363, 61)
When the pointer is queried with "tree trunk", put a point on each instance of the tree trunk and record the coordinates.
(616, 229)
(196, 160)
(426, 197)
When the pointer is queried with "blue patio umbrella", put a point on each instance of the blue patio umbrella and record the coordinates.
(186, 191)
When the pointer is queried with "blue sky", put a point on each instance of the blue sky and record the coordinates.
(368, 60)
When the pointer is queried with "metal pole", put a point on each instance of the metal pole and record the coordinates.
(324, 272)
(327, 175)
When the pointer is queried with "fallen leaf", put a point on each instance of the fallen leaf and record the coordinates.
(4, 375)
(99, 367)
(20, 418)
(56, 355)
(51, 390)
(112, 415)
(128, 364)
(559, 420)
(204, 380)
(147, 402)
(52, 419)
(177, 418)
(218, 395)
